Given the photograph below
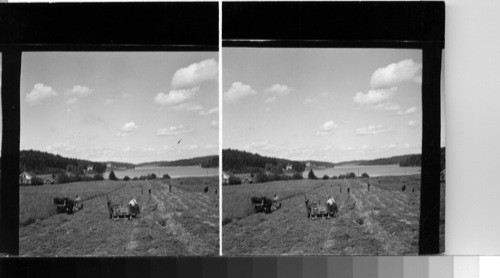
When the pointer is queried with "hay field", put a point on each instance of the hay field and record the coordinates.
(182, 222)
(382, 221)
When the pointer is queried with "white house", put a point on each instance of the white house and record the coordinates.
(225, 177)
(288, 167)
(90, 168)
(25, 178)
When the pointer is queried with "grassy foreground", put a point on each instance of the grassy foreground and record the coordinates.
(382, 221)
(182, 222)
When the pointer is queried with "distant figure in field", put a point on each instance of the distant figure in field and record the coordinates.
(368, 186)
(348, 190)
(206, 189)
(331, 207)
(169, 187)
(150, 191)
(134, 207)
(77, 199)
(404, 188)
(413, 189)
(215, 191)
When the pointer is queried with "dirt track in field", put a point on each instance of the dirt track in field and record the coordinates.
(382, 221)
(182, 222)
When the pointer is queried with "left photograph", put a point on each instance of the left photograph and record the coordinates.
(119, 154)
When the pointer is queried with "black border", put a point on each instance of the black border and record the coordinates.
(416, 25)
(153, 26)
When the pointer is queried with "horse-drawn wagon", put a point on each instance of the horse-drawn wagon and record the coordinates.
(118, 211)
(316, 210)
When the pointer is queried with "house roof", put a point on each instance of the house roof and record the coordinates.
(227, 173)
(27, 174)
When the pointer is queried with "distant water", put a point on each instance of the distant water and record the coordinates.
(371, 170)
(173, 172)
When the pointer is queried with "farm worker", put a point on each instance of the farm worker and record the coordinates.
(77, 199)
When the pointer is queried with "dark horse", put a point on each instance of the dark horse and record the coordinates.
(262, 204)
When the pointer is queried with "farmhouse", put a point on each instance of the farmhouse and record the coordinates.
(25, 178)
(288, 167)
(109, 165)
(226, 176)
(48, 181)
(247, 180)
(90, 168)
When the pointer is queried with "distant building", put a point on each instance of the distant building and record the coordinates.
(226, 176)
(308, 164)
(109, 165)
(48, 181)
(25, 178)
(90, 168)
(288, 167)
(247, 180)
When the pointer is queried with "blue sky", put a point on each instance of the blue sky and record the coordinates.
(131, 107)
(323, 104)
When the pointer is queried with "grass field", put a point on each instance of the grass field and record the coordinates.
(182, 222)
(382, 221)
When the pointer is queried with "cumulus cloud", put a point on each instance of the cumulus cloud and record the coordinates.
(270, 99)
(72, 100)
(373, 97)
(327, 128)
(189, 106)
(279, 89)
(412, 124)
(385, 106)
(209, 112)
(176, 97)
(127, 129)
(259, 145)
(372, 130)
(238, 91)
(39, 93)
(79, 91)
(173, 130)
(408, 111)
(406, 70)
(195, 74)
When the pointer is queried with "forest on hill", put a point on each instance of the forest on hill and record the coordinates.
(40, 162)
(237, 161)
(210, 161)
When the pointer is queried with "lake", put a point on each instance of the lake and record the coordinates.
(173, 172)
(371, 170)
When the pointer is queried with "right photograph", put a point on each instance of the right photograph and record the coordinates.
(322, 151)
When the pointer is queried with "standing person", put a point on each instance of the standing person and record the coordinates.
(169, 187)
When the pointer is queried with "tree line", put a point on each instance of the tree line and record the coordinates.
(244, 162)
(39, 162)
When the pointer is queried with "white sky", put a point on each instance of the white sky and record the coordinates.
(130, 107)
(322, 104)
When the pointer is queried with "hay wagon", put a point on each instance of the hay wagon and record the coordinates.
(317, 210)
(126, 212)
